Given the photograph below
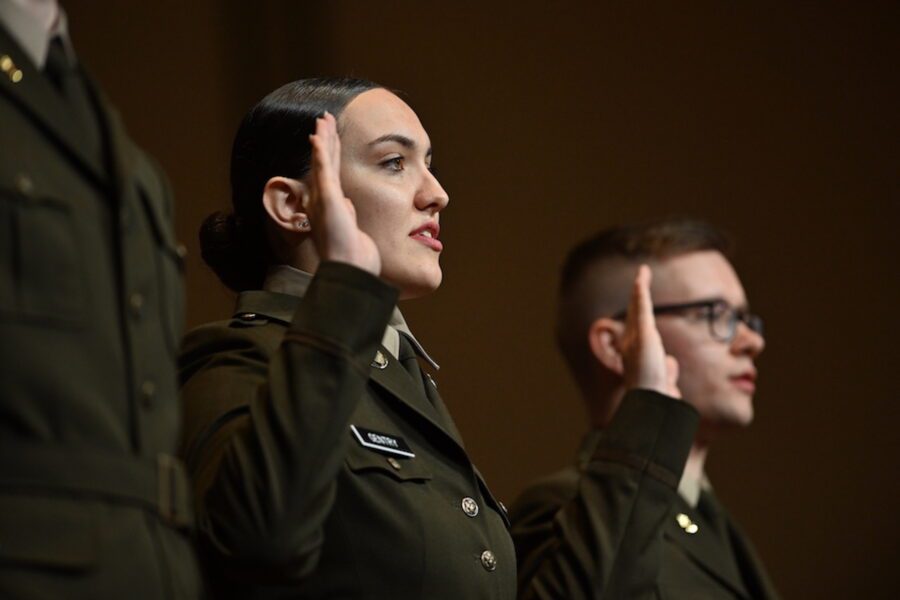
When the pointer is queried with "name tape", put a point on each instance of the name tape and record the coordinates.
(382, 442)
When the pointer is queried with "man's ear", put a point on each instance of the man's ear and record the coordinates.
(284, 200)
(604, 337)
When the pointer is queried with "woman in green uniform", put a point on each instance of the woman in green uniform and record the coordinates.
(325, 464)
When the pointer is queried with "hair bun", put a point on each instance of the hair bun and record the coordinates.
(224, 249)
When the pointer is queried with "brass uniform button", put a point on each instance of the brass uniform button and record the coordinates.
(136, 302)
(394, 463)
(380, 361)
(9, 67)
(24, 185)
(686, 523)
(148, 393)
(469, 506)
(488, 560)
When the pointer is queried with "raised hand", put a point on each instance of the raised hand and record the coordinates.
(335, 232)
(645, 362)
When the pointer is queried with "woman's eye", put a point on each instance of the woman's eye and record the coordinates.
(393, 164)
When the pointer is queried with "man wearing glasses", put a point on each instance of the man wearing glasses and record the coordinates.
(636, 517)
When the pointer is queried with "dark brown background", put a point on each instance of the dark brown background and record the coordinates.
(551, 120)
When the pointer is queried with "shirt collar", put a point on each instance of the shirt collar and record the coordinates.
(285, 279)
(690, 488)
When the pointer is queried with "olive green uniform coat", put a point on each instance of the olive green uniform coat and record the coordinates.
(614, 526)
(92, 503)
(290, 503)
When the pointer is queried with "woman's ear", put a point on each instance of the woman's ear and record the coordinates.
(604, 337)
(284, 200)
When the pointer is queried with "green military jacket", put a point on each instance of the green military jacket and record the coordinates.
(92, 502)
(321, 469)
(614, 526)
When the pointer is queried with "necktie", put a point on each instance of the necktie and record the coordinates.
(431, 403)
(71, 86)
(407, 357)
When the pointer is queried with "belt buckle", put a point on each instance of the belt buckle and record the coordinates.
(171, 487)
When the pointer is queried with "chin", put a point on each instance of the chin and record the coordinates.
(738, 413)
(728, 412)
(417, 284)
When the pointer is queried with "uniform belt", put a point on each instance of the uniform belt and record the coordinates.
(159, 485)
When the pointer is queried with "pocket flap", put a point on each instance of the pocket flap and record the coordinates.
(361, 460)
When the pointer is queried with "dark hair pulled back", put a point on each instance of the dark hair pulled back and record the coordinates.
(272, 141)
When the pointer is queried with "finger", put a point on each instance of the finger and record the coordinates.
(315, 180)
(324, 172)
(313, 167)
(335, 141)
(640, 307)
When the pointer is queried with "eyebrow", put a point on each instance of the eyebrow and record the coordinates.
(399, 139)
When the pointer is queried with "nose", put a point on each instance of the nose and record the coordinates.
(747, 342)
(431, 195)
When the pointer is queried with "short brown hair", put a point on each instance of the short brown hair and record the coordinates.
(591, 281)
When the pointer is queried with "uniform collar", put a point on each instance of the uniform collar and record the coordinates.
(285, 279)
(33, 25)
(689, 488)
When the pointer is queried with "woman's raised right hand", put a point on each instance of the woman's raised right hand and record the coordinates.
(332, 217)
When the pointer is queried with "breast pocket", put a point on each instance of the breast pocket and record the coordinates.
(367, 462)
(41, 258)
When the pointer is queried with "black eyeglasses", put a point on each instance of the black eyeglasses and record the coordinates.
(721, 316)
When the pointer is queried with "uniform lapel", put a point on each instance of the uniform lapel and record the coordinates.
(394, 379)
(450, 428)
(435, 398)
(121, 153)
(36, 97)
(705, 548)
(752, 570)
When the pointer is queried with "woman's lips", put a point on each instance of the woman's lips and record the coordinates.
(427, 235)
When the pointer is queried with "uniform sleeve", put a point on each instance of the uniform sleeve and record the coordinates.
(598, 533)
(266, 438)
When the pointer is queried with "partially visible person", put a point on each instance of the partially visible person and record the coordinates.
(636, 516)
(325, 462)
(93, 504)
